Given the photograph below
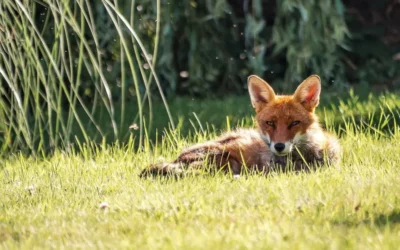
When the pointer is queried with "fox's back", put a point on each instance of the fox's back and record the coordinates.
(243, 145)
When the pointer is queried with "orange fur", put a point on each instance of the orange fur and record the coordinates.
(288, 130)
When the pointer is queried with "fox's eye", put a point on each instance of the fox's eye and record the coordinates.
(293, 124)
(270, 123)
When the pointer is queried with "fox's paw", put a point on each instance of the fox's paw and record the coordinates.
(162, 169)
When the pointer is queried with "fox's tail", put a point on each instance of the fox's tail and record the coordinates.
(195, 158)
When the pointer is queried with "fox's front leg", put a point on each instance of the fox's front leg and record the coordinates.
(284, 163)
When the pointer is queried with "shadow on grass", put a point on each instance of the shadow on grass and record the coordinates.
(390, 219)
(381, 220)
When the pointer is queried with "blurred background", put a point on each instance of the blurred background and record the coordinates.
(93, 70)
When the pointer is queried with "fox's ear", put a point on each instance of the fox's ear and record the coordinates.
(260, 92)
(307, 93)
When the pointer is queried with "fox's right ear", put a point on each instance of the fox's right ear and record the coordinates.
(260, 92)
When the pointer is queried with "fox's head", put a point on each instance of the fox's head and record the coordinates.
(283, 120)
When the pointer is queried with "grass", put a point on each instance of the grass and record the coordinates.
(59, 201)
(58, 90)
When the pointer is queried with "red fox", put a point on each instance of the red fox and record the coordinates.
(288, 134)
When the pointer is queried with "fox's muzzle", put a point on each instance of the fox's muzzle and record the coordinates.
(280, 148)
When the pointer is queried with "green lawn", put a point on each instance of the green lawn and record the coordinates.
(94, 198)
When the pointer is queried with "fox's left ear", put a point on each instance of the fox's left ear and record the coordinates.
(307, 93)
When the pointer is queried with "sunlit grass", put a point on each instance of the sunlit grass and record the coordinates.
(93, 197)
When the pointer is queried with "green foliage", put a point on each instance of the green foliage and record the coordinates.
(87, 70)
(212, 46)
(200, 46)
(311, 33)
(375, 35)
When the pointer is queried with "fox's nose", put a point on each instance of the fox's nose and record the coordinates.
(279, 147)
